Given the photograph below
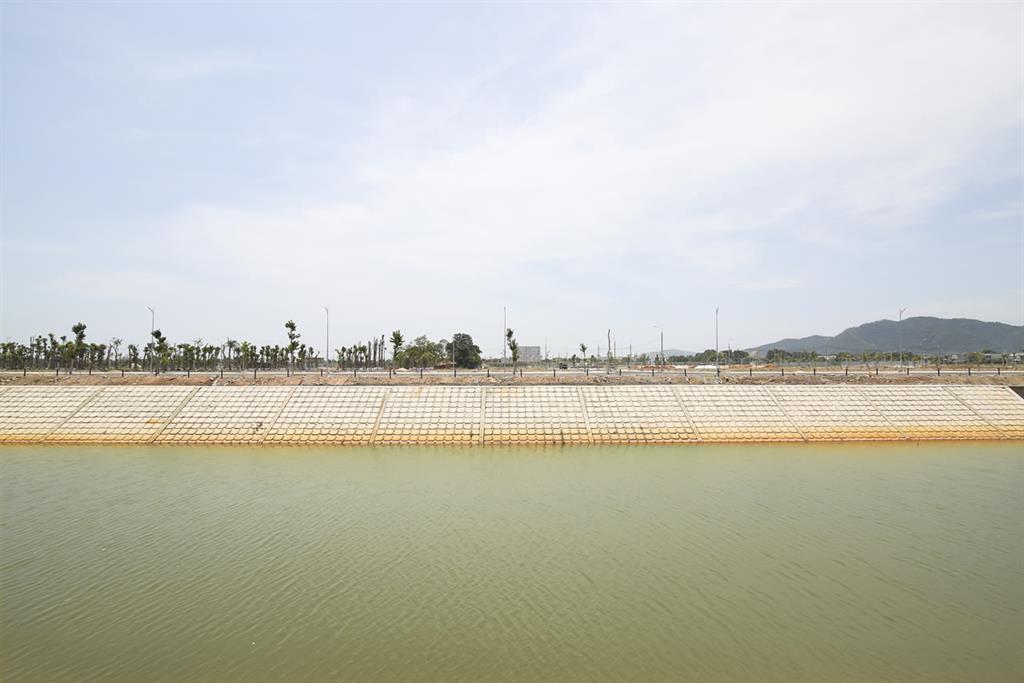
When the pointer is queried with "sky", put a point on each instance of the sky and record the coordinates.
(800, 167)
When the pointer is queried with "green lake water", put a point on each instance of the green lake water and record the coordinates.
(693, 563)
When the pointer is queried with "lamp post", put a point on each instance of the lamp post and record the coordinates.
(718, 369)
(662, 342)
(899, 332)
(152, 327)
(327, 349)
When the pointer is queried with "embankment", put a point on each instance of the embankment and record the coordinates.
(505, 415)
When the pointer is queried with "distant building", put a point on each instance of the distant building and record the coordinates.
(530, 354)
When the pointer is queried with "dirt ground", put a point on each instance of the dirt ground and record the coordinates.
(988, 377)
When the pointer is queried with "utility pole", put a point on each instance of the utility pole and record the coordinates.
(899, 331)
(327, 351)
(152, 327)
(718, 369)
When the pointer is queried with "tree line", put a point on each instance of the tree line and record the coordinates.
(75, 352)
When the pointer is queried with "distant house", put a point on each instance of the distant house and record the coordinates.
(529, 354)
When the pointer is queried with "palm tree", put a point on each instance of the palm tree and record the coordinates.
(583, 352)
(231, 345)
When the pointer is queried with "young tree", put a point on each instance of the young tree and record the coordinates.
(583, 352)
(231, 345)
(513, 347)
(78, 329)
(160, 348)
(115, 347)
(293, 340)
(397, 340)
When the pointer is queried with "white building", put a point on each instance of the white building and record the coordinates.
(530, 354)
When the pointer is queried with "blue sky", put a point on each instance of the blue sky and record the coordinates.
(419, 166)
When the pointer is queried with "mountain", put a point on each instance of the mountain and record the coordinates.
(670, 352)
(922, 334)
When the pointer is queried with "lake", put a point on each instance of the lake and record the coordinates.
(713, 563)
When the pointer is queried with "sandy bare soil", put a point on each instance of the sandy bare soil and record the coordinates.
(1015, 378)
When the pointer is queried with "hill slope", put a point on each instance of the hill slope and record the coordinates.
(920, 335)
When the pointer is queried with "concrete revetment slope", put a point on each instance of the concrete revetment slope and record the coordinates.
(505, 415)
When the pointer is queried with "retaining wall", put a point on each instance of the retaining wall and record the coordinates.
(505, 415)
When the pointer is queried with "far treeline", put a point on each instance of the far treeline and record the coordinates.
(75, 352)
(49, 352)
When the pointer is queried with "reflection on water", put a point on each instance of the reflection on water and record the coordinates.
(795, 563)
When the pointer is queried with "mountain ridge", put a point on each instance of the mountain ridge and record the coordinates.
(921, 334)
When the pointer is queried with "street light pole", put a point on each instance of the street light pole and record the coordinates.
(718, 368)
(327, 350)
(662, 342)
(899, 330)
(152, 327)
